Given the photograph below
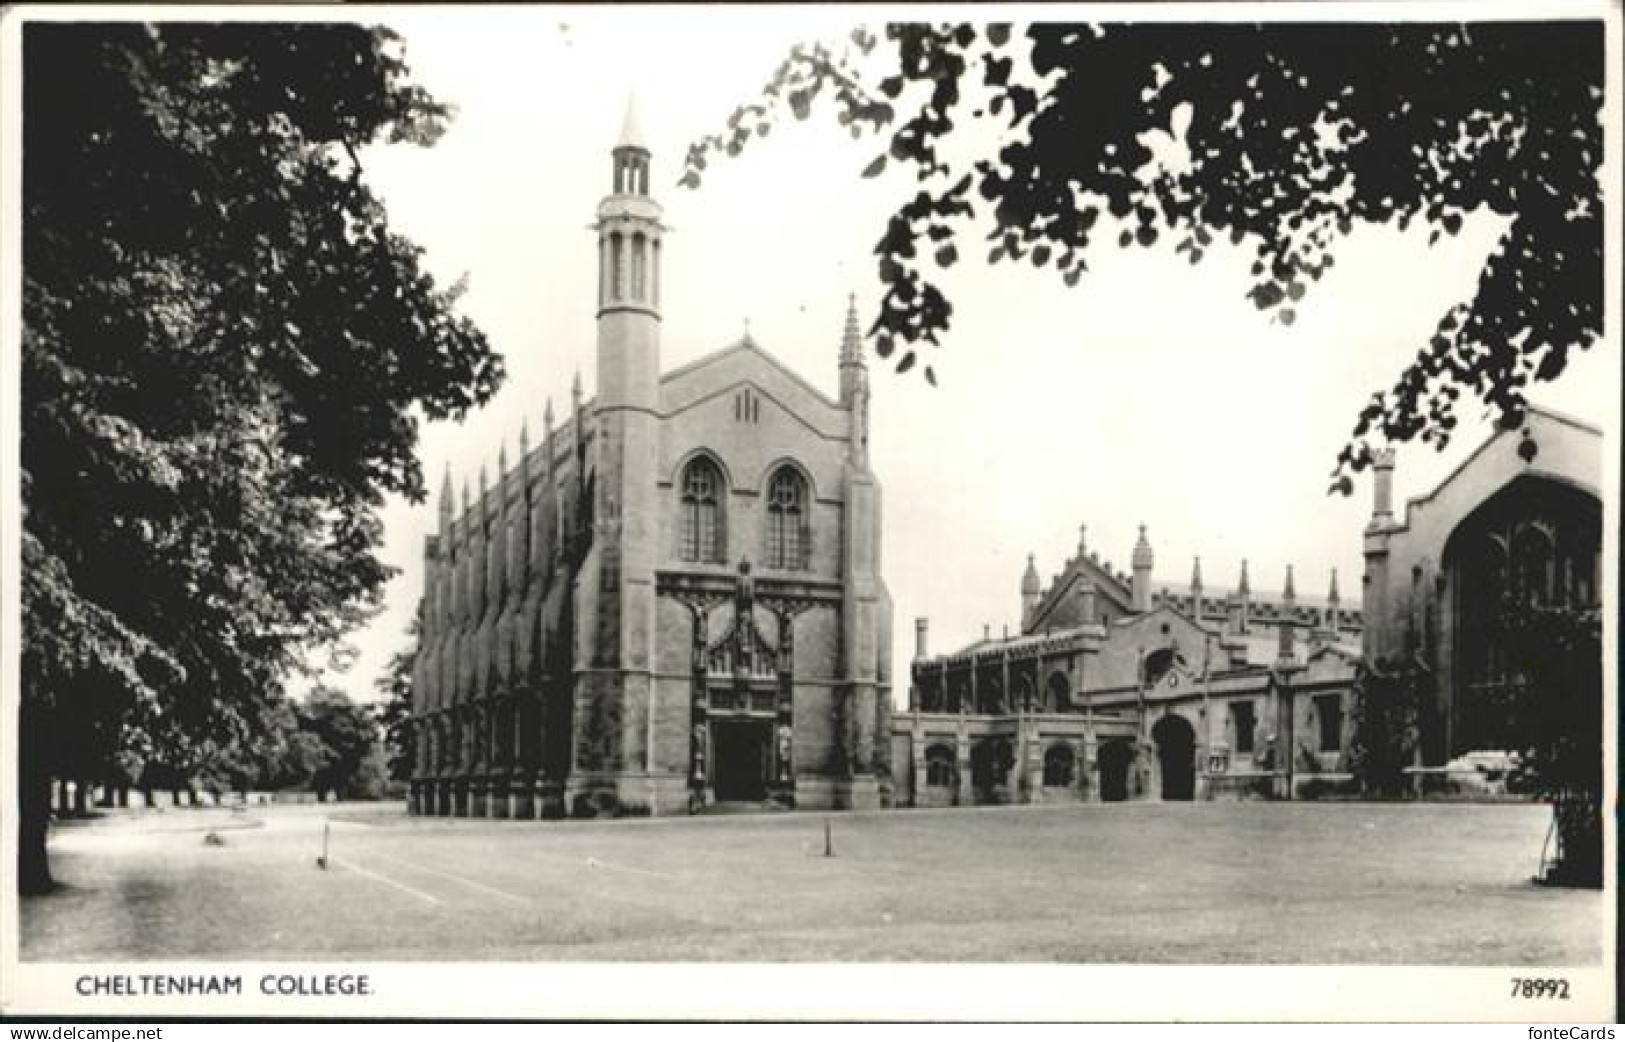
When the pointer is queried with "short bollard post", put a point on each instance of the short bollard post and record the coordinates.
(829, 840)
(321, 862)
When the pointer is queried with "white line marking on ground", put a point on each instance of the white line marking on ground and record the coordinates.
(593, 862)
(493, 891)
(357, 869)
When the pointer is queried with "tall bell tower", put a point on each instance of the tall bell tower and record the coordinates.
(629, 233)
(613, 729)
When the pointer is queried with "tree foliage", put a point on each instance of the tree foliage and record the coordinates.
(345, 738)
(1281, 139)
(1390, 702)
(395, 711)
(1555, 716)
(226, 355)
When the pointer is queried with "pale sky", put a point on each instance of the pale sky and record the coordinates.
(1154, 392)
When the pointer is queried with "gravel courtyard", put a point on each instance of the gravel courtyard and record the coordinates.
(1162, 883)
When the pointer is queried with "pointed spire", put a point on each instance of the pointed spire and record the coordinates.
(1196, 573)
(524, 445)
(1331, 595)
(1029, 578)
(502, 460)
(575, 391)
(1243, 587)
(1083, 541)
(851, 337)
(447, 504)
(631, 125)
(547, 417)
(1288, 590)
(466, 499)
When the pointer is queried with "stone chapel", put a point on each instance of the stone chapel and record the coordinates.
(672, 598)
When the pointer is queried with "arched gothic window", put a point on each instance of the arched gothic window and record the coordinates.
(702, 512)
(1157, 665)
(1059, 693)
(786, 520)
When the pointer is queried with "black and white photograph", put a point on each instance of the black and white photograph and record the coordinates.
(819, 512)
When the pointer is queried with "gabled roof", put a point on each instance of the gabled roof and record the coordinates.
(749, 347)
(1532, 413)
(1076, 568)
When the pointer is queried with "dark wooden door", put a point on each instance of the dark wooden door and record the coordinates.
(740, 749)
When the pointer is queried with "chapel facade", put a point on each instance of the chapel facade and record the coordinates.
(674, 599)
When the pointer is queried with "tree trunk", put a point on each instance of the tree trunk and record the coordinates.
(1577, 860)
(34, 808)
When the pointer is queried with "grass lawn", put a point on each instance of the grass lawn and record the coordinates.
(1159, 883)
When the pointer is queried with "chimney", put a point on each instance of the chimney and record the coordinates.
(1382, 488)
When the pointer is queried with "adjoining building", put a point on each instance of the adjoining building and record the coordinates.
(1113, 691)
(1520, 520)
(675, 598)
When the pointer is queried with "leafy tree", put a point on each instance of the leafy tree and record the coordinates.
(226, 355)
(346, 735)
(1390, 701)
(1553, 717)
(395, 711)
(1281, 139)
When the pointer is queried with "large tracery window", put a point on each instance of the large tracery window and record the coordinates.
(702, 512)
(1532, 546)
(786, 520)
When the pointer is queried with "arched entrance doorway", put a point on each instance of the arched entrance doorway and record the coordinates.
(1114, 758)
(1176, 756)
(740, 754)
(990, 763)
